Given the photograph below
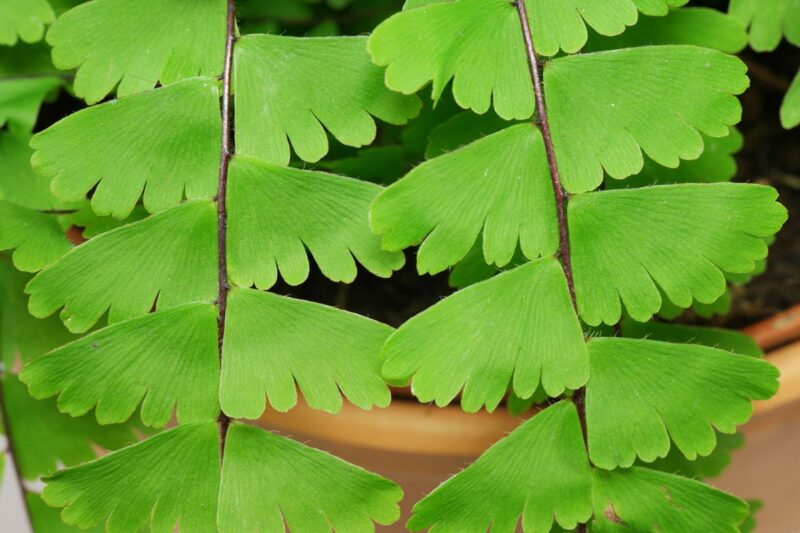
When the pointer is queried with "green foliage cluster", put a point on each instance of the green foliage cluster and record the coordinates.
(200, 175)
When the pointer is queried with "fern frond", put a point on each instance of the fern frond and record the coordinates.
(164, 260)
(161, 360)
(277, 213)
(518, 327)
(643, 393)
(274, 106)
(161, 145)
(268, 352)
(639, 499)
(24, 19)
(624, 247)
(540, 471)
(159, 41)
(271, 482)
(768, 22)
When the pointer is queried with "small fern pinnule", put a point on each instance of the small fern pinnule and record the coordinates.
(192, 161)
(572, 274)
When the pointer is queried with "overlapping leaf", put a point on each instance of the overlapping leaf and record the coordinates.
(706, 467)
(276, 213)
(643, 393)
(46, 518)
(767, 22)
(24, 19)
(270, 482)
(274, 106)
(628, 244)
(45, 439)
(161, 144)
(723, 339)
(167, 259)
(162, 360)
(19, 184)
(655, 100)
(639, 499)
(790, 107)
(499, 185)
(167, 479)
(540, 471)
(268, 349)
(36, 238)
(476, 43)
(699, 26)
(27, 78)
(460, 130)
(518, 328)
(135, 46)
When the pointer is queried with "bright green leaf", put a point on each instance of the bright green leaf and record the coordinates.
(24, 19)
(160, 144)
(608, 108)
(699, 26)
(499, 185)
(628, 244)
(341, 358)
(643, 393)
(768, 21)
(274, 106)
(21, 98)
(277, 213)
(167, 259)
(169, 478)
(269, 481)
(706, 467)
(476, 43)
(723, 339)
(517, 328)
(657, 7)
(36, 238)
(19, 184)
(639, 499)
(539, 471)
(790, 108)
(137, 45)
(45, 439)
(47, 520)
(164, 360)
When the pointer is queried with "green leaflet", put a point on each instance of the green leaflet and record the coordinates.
(715, 164)
(653, 99)
(93, 224)
(163, 360)
(639, 499)
(476, 43)
(378, 164)
(36, 238)
(137, 45)
(24, 19)
(167, 259)
(706, 467)
(169, 478)
(22, 336)
(160, 144)
(20, 100)
(767, 22)
(276, 213)
(723, 339)
(47, 520)
(19, 184)
(274, 106)
(46, 440)
(268, 348)
(539, 471)
(268, 480)
(628, 244)
(498, 185)
(461, 129)
(790, 108)
(699, 26)
(517, 328)
(641, 393)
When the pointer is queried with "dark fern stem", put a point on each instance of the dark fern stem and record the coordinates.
(10, 449)
(561, 195)
(226, 152)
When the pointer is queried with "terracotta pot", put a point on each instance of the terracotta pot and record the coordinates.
(420, 446)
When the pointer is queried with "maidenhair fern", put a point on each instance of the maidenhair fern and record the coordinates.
(573, 197)
(595, 256)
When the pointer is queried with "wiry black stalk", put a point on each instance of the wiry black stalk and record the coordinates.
(561, 195)
(12, 455)
(226, 152)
